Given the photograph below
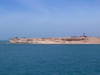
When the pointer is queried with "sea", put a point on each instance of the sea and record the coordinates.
(49, 59)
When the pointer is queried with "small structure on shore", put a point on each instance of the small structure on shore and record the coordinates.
(84, 35)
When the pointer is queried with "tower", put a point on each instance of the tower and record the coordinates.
(83, 34)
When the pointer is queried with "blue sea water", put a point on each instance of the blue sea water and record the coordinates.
(39, 59)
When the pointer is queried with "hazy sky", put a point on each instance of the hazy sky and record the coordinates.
(49, 18)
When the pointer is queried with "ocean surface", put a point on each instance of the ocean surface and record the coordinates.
(42, 59)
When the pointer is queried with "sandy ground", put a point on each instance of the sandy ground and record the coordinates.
(88, 40)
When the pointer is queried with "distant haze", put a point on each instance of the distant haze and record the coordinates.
(49, 18)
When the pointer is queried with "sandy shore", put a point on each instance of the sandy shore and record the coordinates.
(65, 40)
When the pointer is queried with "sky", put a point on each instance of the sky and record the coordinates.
(49, 18)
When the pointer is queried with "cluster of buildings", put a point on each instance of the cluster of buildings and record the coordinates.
(49, 40)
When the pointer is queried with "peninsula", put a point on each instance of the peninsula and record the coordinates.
(64, 40)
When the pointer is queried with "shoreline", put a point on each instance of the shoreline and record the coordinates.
(65, 40)
(57, 44)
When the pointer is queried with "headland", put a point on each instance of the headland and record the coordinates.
(61, 40)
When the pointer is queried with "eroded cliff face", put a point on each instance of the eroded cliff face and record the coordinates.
(66, 40)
